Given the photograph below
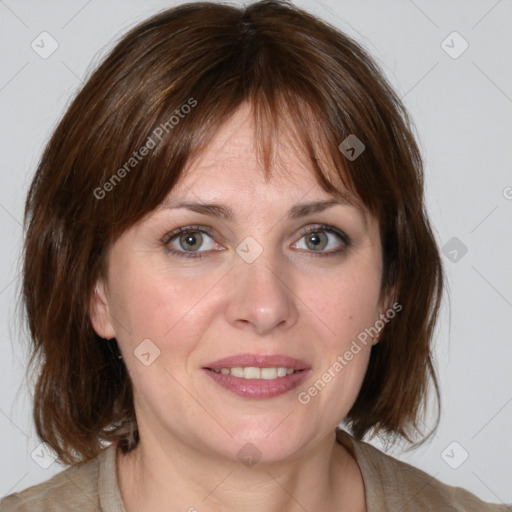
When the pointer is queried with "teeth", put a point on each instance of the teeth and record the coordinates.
(251, 372)
(237, 372)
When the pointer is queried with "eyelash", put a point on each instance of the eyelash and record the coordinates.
(186, 229)
(316, 228)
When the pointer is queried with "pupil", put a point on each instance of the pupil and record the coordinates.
(316, 240)
(191, 241)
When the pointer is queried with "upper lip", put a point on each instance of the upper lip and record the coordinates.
(258, 361)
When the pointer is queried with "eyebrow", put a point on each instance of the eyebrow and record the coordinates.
(297, 211)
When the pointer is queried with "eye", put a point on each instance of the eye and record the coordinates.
(195, 241)
(321, 238)
(186, 241)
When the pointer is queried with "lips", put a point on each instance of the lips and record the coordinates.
(257, 361)
(258, 389)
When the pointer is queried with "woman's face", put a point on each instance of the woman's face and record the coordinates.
(268, 281)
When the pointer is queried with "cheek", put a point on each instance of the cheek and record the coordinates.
(343, 312)
(345, 304)
(170, 314)
(168, 309)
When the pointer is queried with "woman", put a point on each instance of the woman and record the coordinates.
(227, 254)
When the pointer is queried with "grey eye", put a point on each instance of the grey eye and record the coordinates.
(191, 241)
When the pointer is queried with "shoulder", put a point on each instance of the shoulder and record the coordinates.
(75, 488)
(395, 485)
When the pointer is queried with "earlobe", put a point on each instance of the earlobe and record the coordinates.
(99, 312)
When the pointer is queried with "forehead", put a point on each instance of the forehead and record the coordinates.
(234, 149)
(227, 177)
(231, 164)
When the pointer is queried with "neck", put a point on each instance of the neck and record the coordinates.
(152, 476)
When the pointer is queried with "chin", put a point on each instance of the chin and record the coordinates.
(264, 443)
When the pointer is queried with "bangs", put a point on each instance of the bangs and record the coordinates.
(280, 117)
(186, 95)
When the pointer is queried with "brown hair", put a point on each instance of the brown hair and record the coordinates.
(292, 68)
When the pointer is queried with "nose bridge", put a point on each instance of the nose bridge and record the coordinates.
(260, 297)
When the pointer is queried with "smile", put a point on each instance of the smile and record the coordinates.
(257, 387)
(252, 372)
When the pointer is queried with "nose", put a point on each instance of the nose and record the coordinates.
(262, 297)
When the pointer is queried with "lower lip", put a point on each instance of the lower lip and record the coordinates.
(258, 388)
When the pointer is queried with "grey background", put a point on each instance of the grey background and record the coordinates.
(462, 110)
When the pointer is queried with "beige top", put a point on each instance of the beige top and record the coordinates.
(390, 485)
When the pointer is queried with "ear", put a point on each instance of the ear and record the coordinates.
(99, 312)
(387, 300)
(385, 303)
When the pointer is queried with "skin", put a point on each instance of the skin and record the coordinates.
(197, 310)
